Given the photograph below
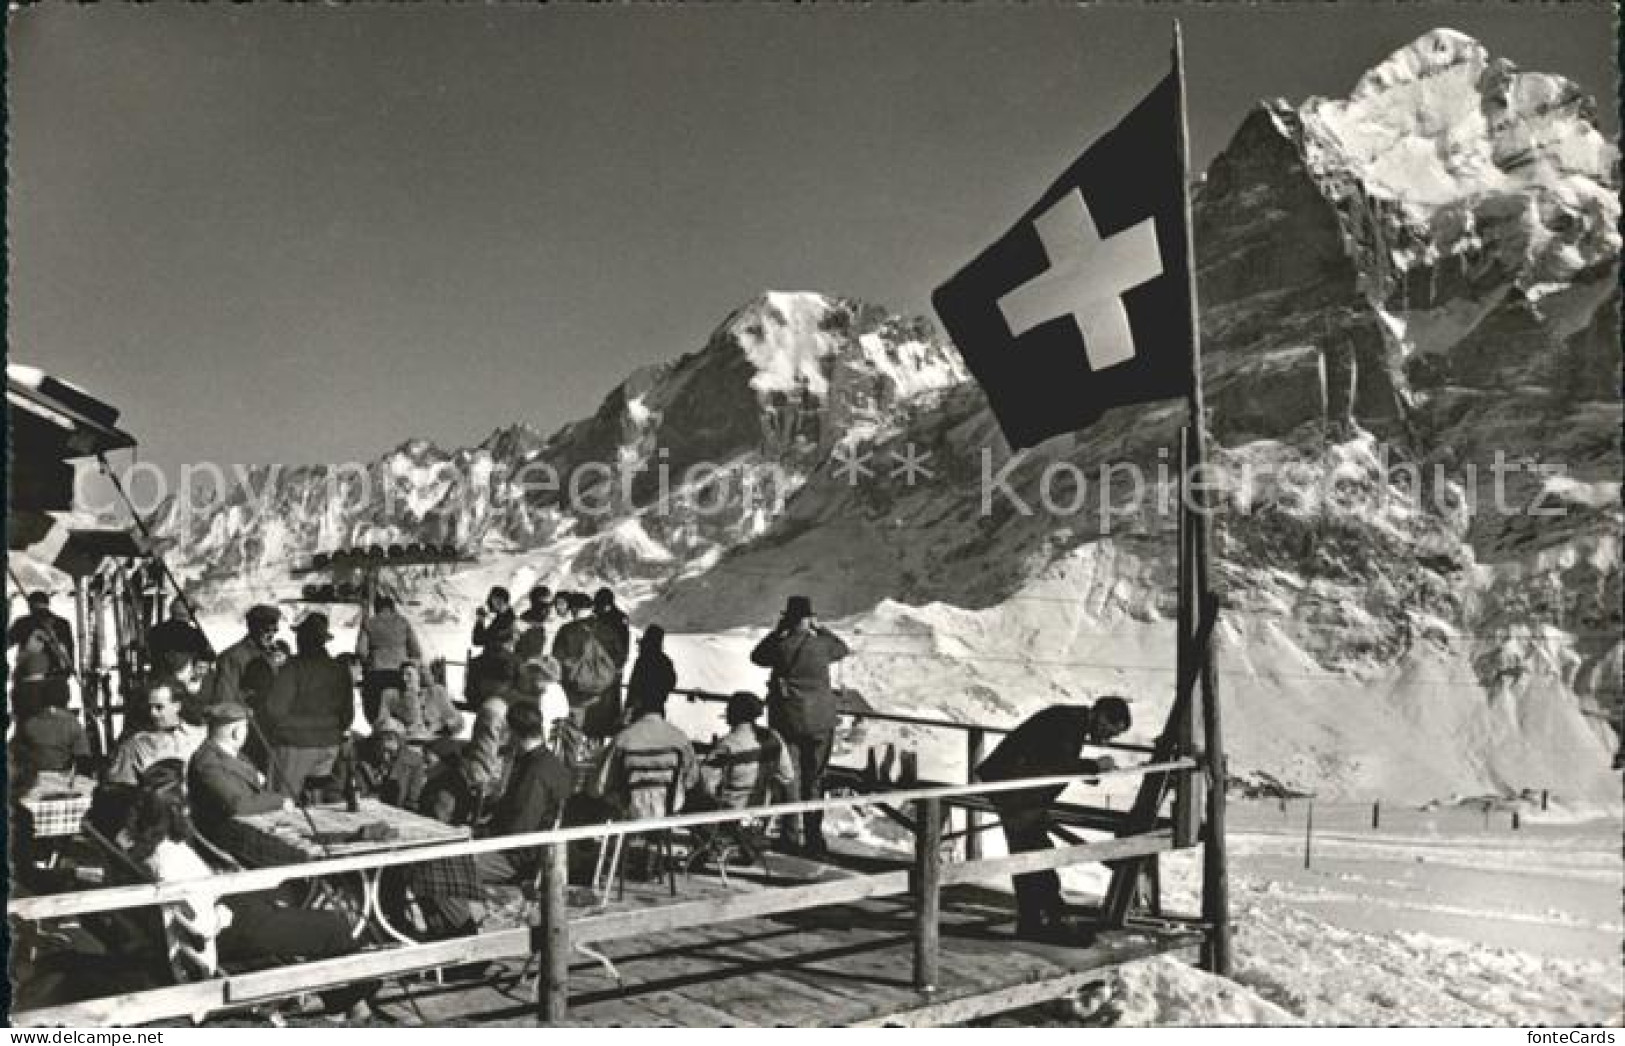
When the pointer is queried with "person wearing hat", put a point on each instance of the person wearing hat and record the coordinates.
(801, 701)
(1047, 744)
(44, 645)
(653, 675)
(225, 682)
(220, 783)
(308, 712)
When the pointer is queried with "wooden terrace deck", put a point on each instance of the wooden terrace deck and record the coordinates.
(837, 966)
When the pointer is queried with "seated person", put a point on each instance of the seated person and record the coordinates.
(538, 787)
(220, 783)
(469, 777)
(186, 671)
(749, 766)
(52, 739)
(245, 928)
(386, 768)
(421, 707)
(166, 735)
(648, 767)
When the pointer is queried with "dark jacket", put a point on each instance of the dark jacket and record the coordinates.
(171, 635)
(220, 787)
(494, 625)
(653, 679)
(490, 674)
(311, 704)
(1046, 744)
(538, 787)
(801, 702)
(615, 629)
(531, 642)
(52, 739)
(449, 796)
(225, 682)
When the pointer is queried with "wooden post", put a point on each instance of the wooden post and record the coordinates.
(975, 739)
(1215, 876)
(552, 938)
(1545, 797)
(1186, 815)
(1517, 821)
(927, 891)
(1376, 815)
(1309, 834)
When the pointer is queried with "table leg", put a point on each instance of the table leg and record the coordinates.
(374, 905)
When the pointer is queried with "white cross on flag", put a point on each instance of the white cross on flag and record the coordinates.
(1084, 304)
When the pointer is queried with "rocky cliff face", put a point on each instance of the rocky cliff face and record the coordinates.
(680, 461)
(1410, 327)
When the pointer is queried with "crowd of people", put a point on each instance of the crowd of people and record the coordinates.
(568, 727)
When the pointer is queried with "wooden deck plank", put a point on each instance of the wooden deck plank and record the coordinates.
(842, 965)
(675, 962)
(788, 993)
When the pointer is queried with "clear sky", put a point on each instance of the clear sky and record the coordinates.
(287, 234)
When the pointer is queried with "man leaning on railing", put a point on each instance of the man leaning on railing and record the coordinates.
(1048, 743)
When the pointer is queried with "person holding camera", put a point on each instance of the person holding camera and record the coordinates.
(801, 702)
(494, 619)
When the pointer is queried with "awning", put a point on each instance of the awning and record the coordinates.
(69, 542)
(52, 423)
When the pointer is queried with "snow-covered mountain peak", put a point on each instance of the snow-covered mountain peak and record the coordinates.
(783, 336)
(1441, 120)
(795, 339)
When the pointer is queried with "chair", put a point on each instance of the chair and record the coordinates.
(651, 780)
(723, 842)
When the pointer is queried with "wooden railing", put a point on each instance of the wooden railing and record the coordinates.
(557, 934)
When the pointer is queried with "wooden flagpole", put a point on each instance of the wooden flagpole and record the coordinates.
(1215, 877)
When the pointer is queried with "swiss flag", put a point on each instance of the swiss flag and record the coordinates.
(1084, 304)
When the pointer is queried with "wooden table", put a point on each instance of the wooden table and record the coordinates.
(330, 830)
